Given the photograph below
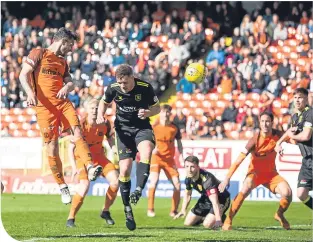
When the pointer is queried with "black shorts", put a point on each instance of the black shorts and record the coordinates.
(305, 174)
(204, 206)
(128, 138)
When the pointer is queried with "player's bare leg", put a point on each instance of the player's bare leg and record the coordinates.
(125, 185)
(192, 219)
(78, 199)
(143, 169)
(176, 195)
(57, 170)
(248, 186)
(303, 195)
(110, 196)
(84, 153)
(154, 178)
(285, 192)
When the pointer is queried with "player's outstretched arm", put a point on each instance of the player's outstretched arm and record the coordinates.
(180, 150)
(102, 108)
(24, 79)
(283, 138)
(185, 204)
(216, 208)
(231, 171)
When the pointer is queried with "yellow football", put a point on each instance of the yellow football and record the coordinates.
(195, 73)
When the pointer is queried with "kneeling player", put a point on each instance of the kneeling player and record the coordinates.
(212, 205)
(163, 158)
(262, 171)
(94, 134)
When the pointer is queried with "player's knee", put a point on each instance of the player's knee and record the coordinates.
(208, 224)
(286, 192)
(188, 223)
(114, 184)
(177, 186)
(302, 194)
(52, 147)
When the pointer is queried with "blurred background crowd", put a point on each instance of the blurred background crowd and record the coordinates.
(254, 59)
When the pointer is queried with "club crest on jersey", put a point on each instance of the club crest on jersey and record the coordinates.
(138, 97)
(200, 187)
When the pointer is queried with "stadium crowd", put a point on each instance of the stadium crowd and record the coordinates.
(243, 57)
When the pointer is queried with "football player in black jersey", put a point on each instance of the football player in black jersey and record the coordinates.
(301, 132)
(135, 103)
(212, 205)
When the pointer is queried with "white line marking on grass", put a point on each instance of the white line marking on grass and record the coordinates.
(69, 236)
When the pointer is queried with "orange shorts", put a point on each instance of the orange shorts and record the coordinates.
(98, 159)
(168, 167)
(269, 180)
(52, 118)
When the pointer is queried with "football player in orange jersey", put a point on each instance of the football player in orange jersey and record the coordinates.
(262, 171)
(163, 158)
(94, 134)
(47, 71)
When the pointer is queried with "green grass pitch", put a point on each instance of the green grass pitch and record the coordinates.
(43, 218)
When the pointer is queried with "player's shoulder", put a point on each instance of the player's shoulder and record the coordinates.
(141, 83)
(114, 85)
(205, 175)
(276, 132)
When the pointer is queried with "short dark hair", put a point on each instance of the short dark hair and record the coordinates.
(193, 159)
(64, 33)
(166, 107)
(302, 91)
(123, 70)
(268, 114)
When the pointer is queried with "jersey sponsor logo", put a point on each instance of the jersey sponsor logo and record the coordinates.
(51, 72)
(212, 191)
(128, 109)
(138, 97)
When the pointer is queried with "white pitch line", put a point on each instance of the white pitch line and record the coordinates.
(68, 236)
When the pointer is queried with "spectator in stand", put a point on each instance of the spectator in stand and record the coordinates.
(226, 84)
(192, 127)
(88, 66)
(268, 15)
(166, 27)
(246, 25)
(258, 83)
(215, 56)
(272, 25)
(280, 32)
(178, 52)
(75, 63)
(284, 71)
(136, 33)
(230, 113)
(119, 58)
(74, 98)
(250, 122)
(180, 120)
(146, 26)
(13, 91)
(219, 132)
(185, 86)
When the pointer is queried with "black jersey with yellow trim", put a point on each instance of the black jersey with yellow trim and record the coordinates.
(303, 120)
(128, 104)
(206, 183)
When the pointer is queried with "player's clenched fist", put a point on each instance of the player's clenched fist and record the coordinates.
(223, 185)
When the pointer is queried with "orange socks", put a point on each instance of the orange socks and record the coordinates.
(235, 206)
(83, 151)
(283, 205)
(56, 169)
(151, 195)
(175, 200)
(110, 197)
(76, 204)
